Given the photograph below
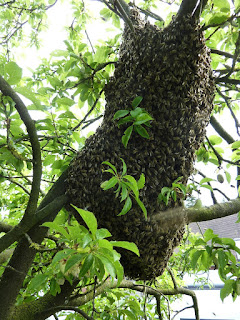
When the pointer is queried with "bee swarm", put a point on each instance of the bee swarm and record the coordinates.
(170, 69)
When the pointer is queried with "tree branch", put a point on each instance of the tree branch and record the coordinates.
(191, 7)
(221, 131)
(181, 216)
(32, 132)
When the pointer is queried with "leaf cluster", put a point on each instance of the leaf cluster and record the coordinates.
(127, 187)
(138, 117)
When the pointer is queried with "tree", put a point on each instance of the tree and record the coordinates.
(128, 180)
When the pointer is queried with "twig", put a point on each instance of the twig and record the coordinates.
(219, 157)
(173, 278)
(94, 295)
(147, 12)
(81, 312)
(226, 99)
(90, 42)
(16, 183)
(177, 312)
(89, 112)
(212, 193)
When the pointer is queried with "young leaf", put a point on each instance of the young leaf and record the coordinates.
(110, 165)
(109, 183)
(108, 264)
(205, 180)
(127, 206)
(136, 101)
(136, 112)
(124, 168)
(119, 271)
(76, 258)
(141, 181)
(89, 219)
(13, 73)
(133, 184)
(141, 205)
(86, 265)
(37, 282)
(141, 131)
(126, 245)
(102, 233)
(120, 114)
(227, 289)
(127, 135)
(124, 192)
(143, 118)
(125, 120)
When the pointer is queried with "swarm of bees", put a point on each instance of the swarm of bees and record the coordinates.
(170, 69)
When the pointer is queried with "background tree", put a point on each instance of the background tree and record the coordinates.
(68, 264)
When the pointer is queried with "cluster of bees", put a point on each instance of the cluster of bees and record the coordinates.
(170, 69)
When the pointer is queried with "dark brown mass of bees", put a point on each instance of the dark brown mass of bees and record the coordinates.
(170, 69)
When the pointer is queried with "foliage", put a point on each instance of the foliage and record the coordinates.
(64, 96)
(127, 187)
(138, 116)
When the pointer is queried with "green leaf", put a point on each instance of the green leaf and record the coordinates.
(126, 245)
(63, 254)
(136, 112)
(222, 5)
(126, 136)
(102, 233)
(120, 114)
(86, 265)
(110, 165)
(66, 102)
(76, 258)
(143, 118)
(141, 181)
(222, 258)
(206, 180)
(124, 192)
(109, 183)
(54, 287)
(127, 206)
(133, 184)
(124, 167)
(37, 282)
(108, 264)
(195, 258)
(57, 228)
(13, 73)
(218, 18)
(89, 219)
(206, 186)
(136, 101)
(125, 120)
(235, 145)
(27, 93)
(141, 131)
(227, 289)
(208, 235)
(141, 205)
(119, 271)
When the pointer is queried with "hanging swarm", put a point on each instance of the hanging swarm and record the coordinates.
(170, 69)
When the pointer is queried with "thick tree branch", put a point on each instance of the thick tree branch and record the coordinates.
(221, 131)
(31, 129)
(22, 258)
(181, 216)
(191, 7)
